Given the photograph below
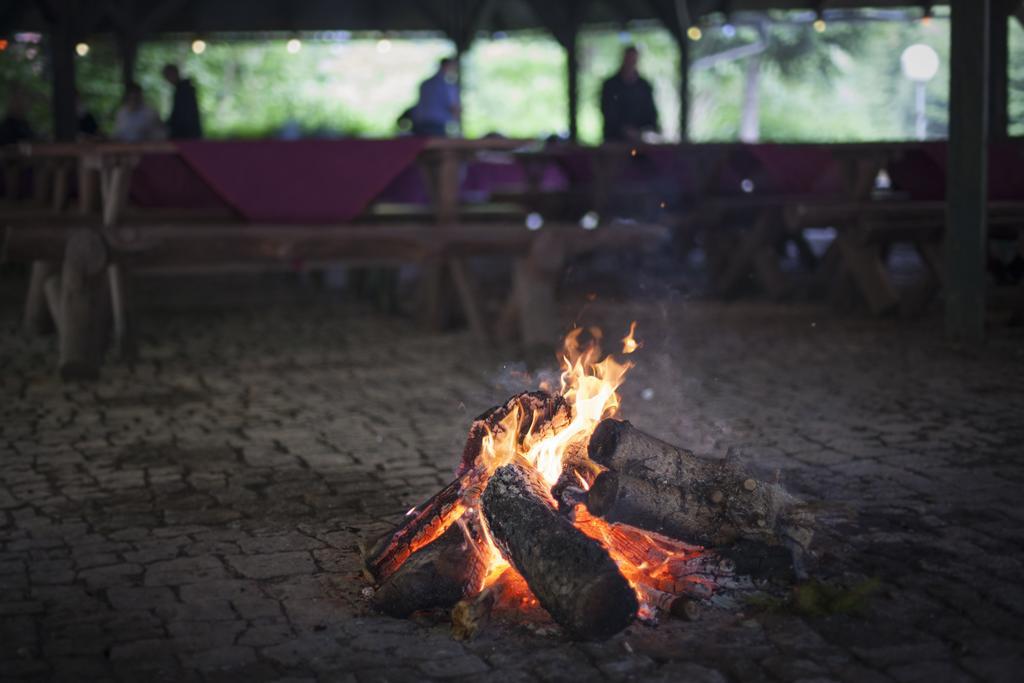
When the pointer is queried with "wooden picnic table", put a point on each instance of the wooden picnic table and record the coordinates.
(156, 239)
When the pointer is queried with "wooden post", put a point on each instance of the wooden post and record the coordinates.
(676, 18)
(62, 60)
(563, 20)
(82, 316)
(569, 42)
(966, 232)
(684, 87)
(999, 70)
(128, 50)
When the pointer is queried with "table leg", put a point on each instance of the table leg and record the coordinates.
(468, 297)
(865, 265)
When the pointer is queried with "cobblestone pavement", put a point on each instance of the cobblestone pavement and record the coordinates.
(195, 516)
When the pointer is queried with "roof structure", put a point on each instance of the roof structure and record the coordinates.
(393, 15)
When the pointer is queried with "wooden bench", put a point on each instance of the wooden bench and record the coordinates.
(80, 259)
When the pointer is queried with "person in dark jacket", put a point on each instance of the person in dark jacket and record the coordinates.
(183, 123)
(88, 128)
(627, 102)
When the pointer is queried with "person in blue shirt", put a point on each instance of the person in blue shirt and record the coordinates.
(437, 112)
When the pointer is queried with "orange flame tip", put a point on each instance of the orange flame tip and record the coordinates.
(629, 342)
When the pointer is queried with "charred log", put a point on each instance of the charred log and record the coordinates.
(429, 520)
(426, 523)
(656, 486)
(540, 409)
(471, 614)
(436, 576)
(571, 574)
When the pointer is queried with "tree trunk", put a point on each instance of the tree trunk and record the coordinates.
(572, 576)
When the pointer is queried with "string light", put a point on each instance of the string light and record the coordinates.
(3, 44)
(82, 49)
(293, 46)
(199, 46)
(694, 33)
(820, 25)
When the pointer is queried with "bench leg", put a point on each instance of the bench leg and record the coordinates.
(37, 318)
(469, 299)
(922, 293)
(433, 313)
(755, 252)
(82, 294)
(864, 263)
(535, 289)
(125, 346)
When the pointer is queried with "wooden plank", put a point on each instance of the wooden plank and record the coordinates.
(966, 235)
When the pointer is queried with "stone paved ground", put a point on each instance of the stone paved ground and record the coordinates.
(195, 516)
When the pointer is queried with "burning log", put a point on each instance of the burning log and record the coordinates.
(540, 410)
(473, 613)
(428, 521)
(419, 528)
(436, 576)
(571, 574)
(656, 486)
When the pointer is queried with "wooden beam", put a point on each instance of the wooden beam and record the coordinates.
(675, 17)
(460, 23)
(999, 70)
(62, 64)
(966, 238)
(563, 21)
(684, 89)
(572, 67)
(131, 26)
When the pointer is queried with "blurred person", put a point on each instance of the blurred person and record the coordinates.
(438, 108)
(136, 121)
(87, 125)
(183, 123)
(15, 126)
(627, 102)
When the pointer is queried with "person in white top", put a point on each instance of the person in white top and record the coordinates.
(136, 121)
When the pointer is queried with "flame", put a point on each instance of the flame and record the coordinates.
(629, 342)
(588, 385)
(657, 567)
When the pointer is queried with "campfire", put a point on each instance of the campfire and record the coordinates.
(559, 504)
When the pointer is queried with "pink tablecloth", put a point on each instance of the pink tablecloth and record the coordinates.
(921, 172)
(305, 181)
